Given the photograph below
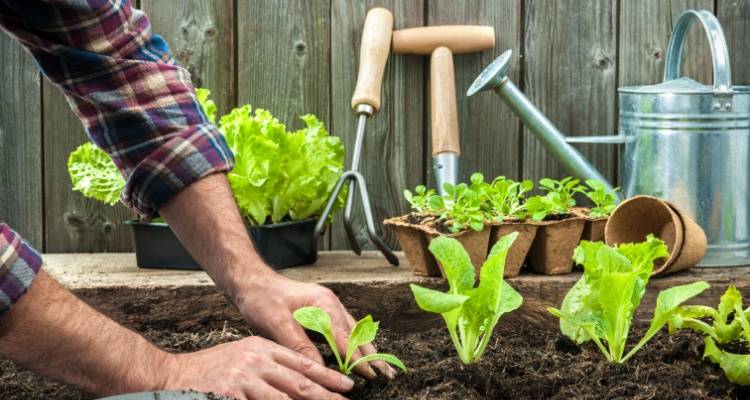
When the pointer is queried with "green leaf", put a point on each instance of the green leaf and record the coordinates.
(94, 174)
(667, 303)
(389, 358)
(456, 263)
(317, 320)
(436, 301)
(735, 366)
(208, 105)
(363, 333)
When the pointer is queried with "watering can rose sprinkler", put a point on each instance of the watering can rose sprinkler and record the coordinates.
(681, 140)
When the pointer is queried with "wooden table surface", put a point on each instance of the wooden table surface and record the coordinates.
(109, 270)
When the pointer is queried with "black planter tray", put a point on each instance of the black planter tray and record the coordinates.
(282, 245)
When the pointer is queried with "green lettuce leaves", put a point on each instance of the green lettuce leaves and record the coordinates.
(94, 174)
(727, 323)
(278, 175)
(601, 305)
(470, 313)
(364, 332)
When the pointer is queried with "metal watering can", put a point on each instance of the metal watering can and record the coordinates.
(681, 141)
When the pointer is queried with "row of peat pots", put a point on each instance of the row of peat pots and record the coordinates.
(546, 245)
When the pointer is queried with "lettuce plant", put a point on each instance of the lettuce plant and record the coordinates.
(563, 190)
(279, 174)
(729, 322)
(601, 305)
(506, 197)
(364, 332)
(94, 174)
(421, 199)
(604, 199)
(470, 313)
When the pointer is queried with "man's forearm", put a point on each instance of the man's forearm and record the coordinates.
(205, 218)
(53, 333)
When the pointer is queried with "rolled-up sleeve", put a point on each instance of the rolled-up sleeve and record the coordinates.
(19, 264)
(135, 101)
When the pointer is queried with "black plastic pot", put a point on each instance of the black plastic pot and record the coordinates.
(283, 245)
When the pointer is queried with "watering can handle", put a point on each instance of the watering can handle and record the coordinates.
(719, 50)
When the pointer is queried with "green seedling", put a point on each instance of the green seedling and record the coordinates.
(729, 322)
(421, 200)
(364, 332)
(470, 313)
(604, 199)
(462, 204)
(601, 305)
(563, 189)
(506, 197)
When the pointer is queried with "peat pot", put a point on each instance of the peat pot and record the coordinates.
(282, 245)
(680, 140)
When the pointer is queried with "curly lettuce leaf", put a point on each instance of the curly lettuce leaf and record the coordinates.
(281, 175)
(94, 174)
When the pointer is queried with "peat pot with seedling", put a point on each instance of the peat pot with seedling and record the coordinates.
(281, 181)
(478, 214)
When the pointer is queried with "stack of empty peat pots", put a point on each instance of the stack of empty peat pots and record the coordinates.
(548, 246)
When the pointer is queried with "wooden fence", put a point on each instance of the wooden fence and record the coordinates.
(300, 56)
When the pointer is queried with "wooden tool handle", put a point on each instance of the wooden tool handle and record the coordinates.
(443, 111)
(458, 38)
(373, 54)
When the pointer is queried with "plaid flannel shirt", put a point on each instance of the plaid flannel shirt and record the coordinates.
(135, 103)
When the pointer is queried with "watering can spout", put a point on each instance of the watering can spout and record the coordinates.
(495, 78)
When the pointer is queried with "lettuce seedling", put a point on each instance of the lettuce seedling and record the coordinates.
(506, 197)
(563, 190)
(470, 313)
(421, 200)
(601, 305)
(729, 322)
(461, 205)
(317, 320)
(604, 199)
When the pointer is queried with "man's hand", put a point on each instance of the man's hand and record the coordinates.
(268, 305)
(206, 219)
(255, 368)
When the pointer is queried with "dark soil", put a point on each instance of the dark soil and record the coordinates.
(523, 361)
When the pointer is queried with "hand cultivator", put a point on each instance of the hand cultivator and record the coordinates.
(376, 42)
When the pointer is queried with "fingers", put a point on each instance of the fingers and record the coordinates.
(290, 335)
(326, 377)
(296, 385)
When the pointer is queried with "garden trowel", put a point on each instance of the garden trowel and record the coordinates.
(440, 42)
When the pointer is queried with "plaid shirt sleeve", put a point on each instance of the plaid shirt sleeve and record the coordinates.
(19, 264)
(135, 102)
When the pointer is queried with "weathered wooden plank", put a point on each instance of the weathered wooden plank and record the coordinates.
(201, 37)
(734, 16)
(21, 182)
(490, 135)
(283, 57)
(645, 28)
(74, 223)
(569, 73)
(394, 138)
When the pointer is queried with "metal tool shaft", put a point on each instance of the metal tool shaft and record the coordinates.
(547, 133)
